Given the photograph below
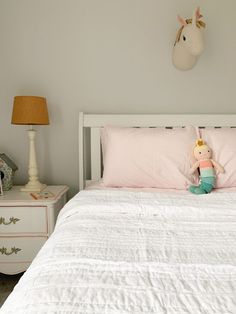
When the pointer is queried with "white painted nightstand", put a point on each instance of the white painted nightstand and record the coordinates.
(25, 225)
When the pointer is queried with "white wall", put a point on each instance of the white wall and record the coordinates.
(105, 56)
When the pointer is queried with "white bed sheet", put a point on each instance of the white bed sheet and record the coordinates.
(123, 251)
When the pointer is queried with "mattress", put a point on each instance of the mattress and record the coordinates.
(127, 251)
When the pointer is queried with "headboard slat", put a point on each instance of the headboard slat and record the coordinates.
(81, 150)
(159, 120)
(95, 151)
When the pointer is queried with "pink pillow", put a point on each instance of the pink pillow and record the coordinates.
(148, 157)
(223, 144)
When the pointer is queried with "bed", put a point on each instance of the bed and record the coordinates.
(135, 250)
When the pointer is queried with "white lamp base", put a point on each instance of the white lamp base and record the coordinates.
(33, 187)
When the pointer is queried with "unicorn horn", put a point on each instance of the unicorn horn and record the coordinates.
(194, 20)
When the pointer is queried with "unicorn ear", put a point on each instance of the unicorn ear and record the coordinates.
(198, 14)
(181, 20)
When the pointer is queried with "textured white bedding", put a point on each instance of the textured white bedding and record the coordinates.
(123, 252)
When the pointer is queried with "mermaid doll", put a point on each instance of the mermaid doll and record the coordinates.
(206, 166)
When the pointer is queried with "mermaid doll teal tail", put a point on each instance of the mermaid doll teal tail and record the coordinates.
(205, 187)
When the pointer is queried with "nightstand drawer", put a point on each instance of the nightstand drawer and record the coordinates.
(20, 249)
(23, 219)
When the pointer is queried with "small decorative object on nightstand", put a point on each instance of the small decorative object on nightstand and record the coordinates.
(7, 170)
(1, 189)
(31, 110)
(26, 222)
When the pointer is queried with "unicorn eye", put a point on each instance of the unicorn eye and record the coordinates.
(184, 38)
(200, 153)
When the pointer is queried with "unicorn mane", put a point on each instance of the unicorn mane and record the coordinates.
(188, 21)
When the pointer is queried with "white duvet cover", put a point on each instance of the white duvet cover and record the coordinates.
(126, 252)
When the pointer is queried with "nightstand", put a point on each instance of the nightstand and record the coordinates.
(25, 225)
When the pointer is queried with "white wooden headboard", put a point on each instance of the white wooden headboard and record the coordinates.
(89, 143)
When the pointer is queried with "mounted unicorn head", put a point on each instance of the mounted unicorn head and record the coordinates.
(189, 42)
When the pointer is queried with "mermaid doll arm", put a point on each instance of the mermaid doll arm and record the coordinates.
(218, 166)
(194, 167)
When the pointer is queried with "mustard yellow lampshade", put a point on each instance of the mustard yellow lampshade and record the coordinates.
(30, 110)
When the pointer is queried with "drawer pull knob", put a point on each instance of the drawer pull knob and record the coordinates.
(15, 250)
(12, 220)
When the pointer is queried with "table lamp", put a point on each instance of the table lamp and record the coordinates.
(31, 110)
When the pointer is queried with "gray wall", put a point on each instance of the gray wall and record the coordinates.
(105, 56)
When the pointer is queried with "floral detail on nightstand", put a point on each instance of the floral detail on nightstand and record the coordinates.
(11, 220)
(4, 251)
